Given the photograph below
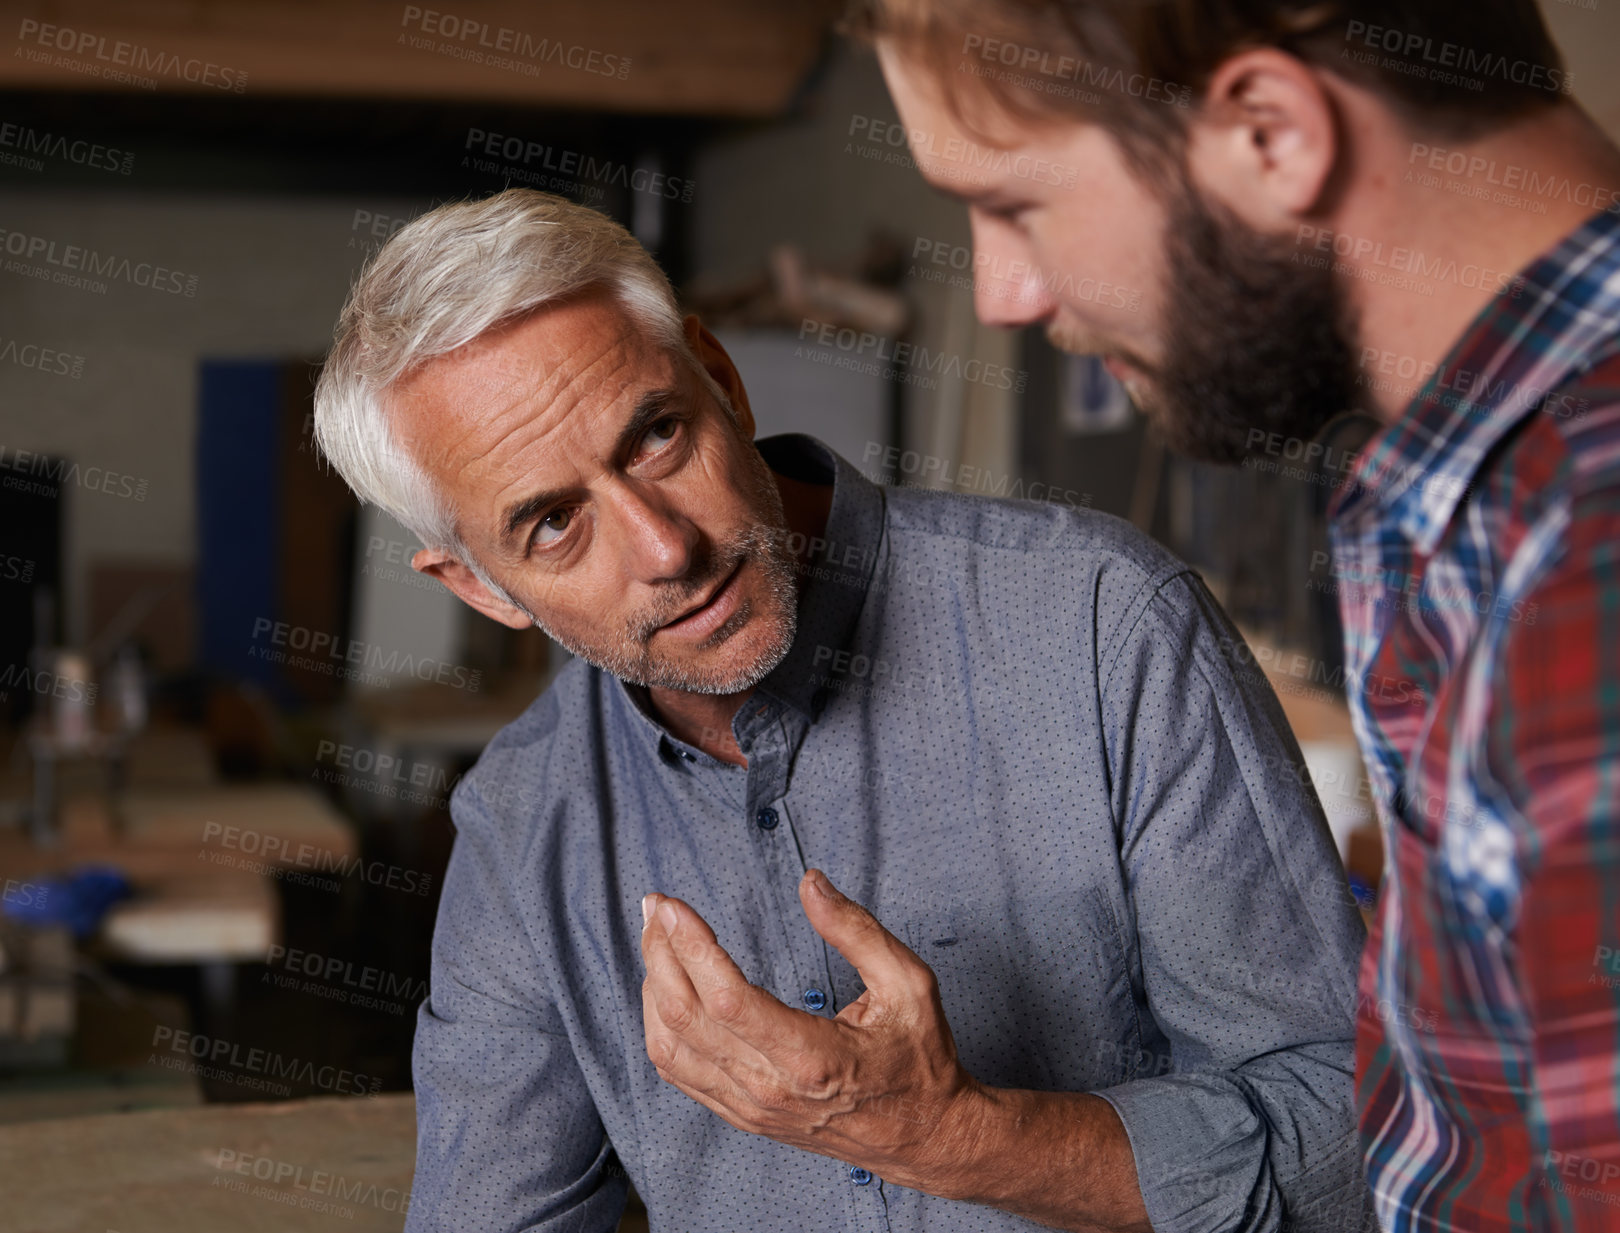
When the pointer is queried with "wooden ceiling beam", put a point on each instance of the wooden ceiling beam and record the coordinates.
(677, 57)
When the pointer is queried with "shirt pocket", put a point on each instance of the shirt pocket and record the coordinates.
(1037, 995)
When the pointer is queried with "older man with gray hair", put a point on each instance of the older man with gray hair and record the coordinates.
(1114, 979)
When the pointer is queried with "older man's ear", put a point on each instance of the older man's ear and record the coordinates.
(464, 583)
(718, 365)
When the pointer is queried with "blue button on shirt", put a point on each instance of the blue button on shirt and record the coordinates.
(1017, 734)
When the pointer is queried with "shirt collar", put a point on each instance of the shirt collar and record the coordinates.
(1548, 324)
(835, 572)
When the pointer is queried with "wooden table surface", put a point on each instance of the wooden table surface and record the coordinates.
(186, 831)
(334, 1164)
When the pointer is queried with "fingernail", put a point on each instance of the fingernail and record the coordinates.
(666, 915)
(820, 882)
(646, 907)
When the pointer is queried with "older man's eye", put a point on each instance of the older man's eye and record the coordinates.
(553, 525)
(662, 432)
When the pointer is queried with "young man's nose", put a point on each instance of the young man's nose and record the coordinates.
(1007, 286)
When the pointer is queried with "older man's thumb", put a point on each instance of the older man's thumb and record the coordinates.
(882, 959)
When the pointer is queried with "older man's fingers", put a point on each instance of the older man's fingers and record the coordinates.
(674, 1013)
(723, 1098)
(888, 967)
(730, 1001)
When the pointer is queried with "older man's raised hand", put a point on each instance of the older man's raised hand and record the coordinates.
(878, 1086)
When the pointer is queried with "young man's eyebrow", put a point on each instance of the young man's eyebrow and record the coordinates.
(650, 407)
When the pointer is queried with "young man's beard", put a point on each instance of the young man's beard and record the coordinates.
(630, 657)
(1255, 341)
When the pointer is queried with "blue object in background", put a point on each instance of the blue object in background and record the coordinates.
(239, 410)
(78, 899)
(1366, 896)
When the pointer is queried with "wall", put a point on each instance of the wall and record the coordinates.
(825, 181)
(272, 272)
(270, 277)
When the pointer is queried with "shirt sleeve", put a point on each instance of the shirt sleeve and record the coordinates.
(1553, 772)
(1247, 935)
(508, 1137)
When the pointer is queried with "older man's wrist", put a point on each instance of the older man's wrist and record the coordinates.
(975, 1141)
(1059, 1158)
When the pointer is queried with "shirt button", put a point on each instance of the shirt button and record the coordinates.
(860, 1176)
(767, 819)
(688, 755)
(815, 999)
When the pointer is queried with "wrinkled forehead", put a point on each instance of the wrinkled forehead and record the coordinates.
(573, 358)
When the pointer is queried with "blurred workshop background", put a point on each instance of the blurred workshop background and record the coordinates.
(230, 713)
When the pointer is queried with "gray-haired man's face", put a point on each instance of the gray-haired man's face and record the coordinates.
(620, 506)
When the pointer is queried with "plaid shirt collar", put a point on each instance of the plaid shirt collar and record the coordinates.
(1551, 322)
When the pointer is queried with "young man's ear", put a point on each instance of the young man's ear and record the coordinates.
(1265, 140)
(718, 365)
(464, 583)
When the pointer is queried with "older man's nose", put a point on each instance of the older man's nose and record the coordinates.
(660, 540)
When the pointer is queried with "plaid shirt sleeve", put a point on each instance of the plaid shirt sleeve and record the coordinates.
(1553, 748)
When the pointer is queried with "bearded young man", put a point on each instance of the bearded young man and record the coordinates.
(1394, 206)
(1014, 732)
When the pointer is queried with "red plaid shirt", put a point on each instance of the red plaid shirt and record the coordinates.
(1478, 566)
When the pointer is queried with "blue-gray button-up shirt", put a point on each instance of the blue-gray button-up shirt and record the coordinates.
(1020, 736)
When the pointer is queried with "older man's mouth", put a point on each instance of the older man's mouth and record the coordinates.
(711, 613)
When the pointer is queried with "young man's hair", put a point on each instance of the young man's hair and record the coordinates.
(1451, 69)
